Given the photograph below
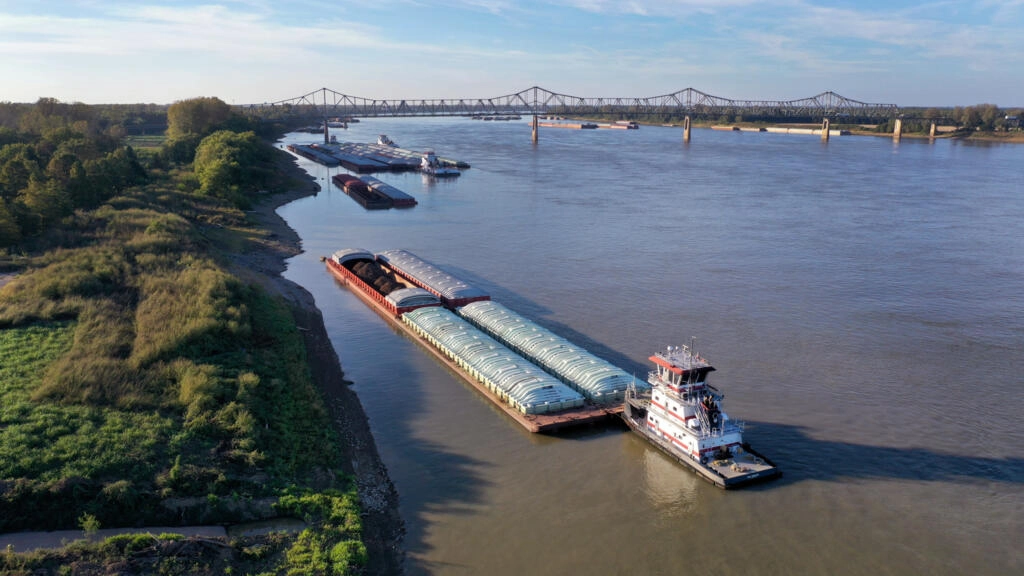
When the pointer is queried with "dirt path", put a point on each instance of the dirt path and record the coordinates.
(383, 528)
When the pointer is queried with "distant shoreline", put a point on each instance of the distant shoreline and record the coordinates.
(1016, 137)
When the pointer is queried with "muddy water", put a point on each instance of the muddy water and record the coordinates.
(862, 301)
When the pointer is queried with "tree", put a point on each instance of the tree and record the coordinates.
(196, 116)
(10, 232)
(46, 202)
(18, 165)
(180, 149)
(229, 164)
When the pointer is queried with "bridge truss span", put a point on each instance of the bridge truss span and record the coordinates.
(539, 101)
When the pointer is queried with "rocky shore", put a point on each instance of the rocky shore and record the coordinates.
(383, 528)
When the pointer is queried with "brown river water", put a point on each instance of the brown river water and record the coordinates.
(863, 302)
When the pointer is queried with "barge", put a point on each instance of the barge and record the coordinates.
(314, 153)
(377, 156)
(595, 378)
(398, 198)
(533, 398)
(682, 415)
(359, 269)
(370, 198)
(570, 125)
(452, 291)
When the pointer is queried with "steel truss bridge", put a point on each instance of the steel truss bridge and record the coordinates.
(326, 103)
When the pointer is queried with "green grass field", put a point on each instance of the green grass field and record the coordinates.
(153, 141)
(142, 383)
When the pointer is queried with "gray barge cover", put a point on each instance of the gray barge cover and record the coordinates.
(451, 289)
(595, 378)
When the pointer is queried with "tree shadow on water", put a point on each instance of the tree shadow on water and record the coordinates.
(802, 457)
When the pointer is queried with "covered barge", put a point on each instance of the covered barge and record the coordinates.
(452, 291)
(524, 391)
(398, 198)
(596, 379)
(358, 190)
(379, 286)
(367, 157)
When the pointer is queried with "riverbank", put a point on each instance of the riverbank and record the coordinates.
(383, 528)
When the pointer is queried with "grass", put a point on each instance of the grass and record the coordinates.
(154, 141)
(142, 383)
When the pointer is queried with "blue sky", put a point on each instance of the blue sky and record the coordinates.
(939, 53)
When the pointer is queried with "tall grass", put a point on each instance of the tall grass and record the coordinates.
(138, 372)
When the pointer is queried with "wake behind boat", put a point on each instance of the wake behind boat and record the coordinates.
(682, 415)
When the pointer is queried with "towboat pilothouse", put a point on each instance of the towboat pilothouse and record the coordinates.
(682, 415)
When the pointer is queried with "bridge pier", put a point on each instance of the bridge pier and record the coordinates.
(897, 130)
(686, 129)
(327, 139)
(534, 137)
(931, 131)
(824, 130)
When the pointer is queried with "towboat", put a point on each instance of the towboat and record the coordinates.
(682, 415)
(431, 166)
(383, 140)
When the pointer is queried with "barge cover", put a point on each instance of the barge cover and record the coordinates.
(594, 377)
(453, 291)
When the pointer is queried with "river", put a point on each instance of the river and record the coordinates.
(863, 302)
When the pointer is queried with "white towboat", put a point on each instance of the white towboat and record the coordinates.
(383, 140)
(431, 166)
(682, 415)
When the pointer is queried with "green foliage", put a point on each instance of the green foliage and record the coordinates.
(331, 544)
(141, 381)
(128, 543)
(62, 160)
(89, 524)
(180, 149)
(10, 232)
(230, 165)
(48, 450)
(196, 116)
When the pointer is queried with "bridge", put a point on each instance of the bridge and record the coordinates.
(685, 105)
(538, 101)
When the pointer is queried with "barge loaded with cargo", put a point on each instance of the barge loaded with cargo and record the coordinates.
(542, 381)
(682, 415)
(373, 157)
(371, 193)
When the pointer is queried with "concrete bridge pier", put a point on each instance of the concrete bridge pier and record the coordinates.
(327, 139)
(534, 124)
(686, 129)
(931, 130)
(897, 130)
(824, 130)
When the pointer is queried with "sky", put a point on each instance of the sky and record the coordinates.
(939, 53)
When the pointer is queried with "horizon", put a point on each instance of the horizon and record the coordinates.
(911, 54)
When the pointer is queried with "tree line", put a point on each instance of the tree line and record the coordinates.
(56, 158)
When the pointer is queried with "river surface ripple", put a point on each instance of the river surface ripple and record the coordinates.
(862, 300)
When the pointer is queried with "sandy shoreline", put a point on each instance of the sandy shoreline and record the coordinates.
(383, 528)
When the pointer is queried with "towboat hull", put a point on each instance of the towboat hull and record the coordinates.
(743, 469)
